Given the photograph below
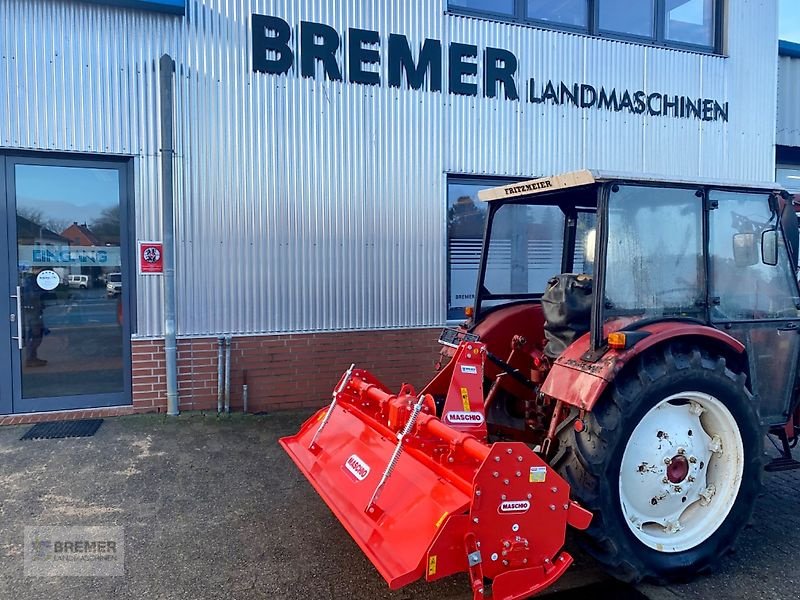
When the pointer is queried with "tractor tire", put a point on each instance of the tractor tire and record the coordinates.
(670, 485)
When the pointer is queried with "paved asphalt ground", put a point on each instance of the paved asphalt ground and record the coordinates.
(212, 508)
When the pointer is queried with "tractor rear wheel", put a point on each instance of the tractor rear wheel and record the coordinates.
(669, 462)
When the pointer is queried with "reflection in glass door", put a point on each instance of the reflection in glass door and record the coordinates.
(68, 276)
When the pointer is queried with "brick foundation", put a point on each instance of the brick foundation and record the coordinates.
(66, 415)
(283, 371)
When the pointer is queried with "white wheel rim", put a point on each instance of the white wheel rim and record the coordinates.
(665, 511)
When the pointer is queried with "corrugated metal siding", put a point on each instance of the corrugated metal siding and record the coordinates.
(306, 205)
(788, 101)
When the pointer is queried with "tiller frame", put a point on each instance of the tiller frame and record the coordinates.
(445, 502)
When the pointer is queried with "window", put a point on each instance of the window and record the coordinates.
(690, 21)
(525, 251)
(787, 169)
(690, 24)
(635, 18)
(574, 13)
(466, 218)
(788, 176)
(653, 270)
(585, 238)
(504, 7)
(744, 285)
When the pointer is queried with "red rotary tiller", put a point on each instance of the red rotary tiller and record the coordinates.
(427, 497)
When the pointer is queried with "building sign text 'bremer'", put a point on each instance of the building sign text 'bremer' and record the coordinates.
(274, 52)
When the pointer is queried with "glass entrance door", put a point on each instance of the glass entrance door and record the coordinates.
(67, 284)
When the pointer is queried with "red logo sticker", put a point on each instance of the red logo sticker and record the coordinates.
(464, 418)
(357, 467)
(514, 506)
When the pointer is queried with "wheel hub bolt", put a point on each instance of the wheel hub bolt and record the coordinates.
(693, 459)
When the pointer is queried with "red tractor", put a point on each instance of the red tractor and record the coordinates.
(631, 345)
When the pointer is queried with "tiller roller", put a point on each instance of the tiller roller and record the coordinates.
(427, 496)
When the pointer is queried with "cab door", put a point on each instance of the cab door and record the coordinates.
(755, 302)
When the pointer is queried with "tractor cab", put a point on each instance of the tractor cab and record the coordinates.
(601, 253)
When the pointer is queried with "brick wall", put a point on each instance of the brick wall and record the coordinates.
(149, 375)
(284, 371)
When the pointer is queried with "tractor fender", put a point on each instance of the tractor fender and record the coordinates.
(580, 383)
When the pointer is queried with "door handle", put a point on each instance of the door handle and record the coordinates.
(18, 337)
(788, 327)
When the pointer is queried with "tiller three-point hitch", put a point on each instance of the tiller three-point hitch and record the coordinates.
(429, 497)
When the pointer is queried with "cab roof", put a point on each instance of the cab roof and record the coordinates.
(586, 177)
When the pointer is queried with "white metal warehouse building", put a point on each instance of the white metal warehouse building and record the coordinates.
(788, 130)
(321, 151)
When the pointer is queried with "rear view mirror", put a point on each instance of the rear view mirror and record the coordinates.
(769, 247)
(745, 252)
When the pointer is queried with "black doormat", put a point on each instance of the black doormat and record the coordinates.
(63, 429)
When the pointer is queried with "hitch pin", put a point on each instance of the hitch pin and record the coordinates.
(398, 450)
(336, 392)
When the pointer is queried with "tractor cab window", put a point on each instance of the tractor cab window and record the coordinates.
(654, 261)
(751, 276)
(585, 240)
(525, 249)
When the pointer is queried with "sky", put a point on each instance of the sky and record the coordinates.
(789, 17)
